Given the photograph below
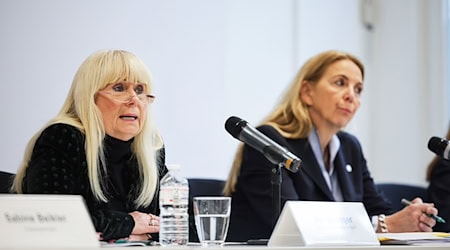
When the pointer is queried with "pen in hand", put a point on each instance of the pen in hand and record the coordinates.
(435, 217)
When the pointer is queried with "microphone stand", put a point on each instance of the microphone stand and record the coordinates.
(276, 192)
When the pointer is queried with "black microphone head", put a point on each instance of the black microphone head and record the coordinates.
(234, 126)
(437, 145)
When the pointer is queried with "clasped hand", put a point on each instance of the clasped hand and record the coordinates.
(413, 218)
(144, 224)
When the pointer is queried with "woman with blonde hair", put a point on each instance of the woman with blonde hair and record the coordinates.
(308, 121)
(102, 145)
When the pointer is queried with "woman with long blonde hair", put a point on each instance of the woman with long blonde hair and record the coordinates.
(320, 102)
(102, 145)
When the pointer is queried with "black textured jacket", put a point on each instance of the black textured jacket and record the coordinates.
(58, 166)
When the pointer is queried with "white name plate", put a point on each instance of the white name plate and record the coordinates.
(317, 223)
(45, 221)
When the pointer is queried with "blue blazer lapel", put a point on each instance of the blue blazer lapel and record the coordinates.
(344, 172)
(311, 167)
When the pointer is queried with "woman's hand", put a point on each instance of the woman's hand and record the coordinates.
(144, 224)
(412, 218)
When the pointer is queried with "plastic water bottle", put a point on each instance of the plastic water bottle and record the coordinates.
(173, 203)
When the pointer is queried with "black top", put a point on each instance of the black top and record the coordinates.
(117, 154)
(58, 166)
(439, 193)
(251, 203)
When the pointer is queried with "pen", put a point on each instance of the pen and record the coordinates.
(435, 217)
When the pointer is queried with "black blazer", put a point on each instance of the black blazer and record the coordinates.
(251, 211)
(58, 166)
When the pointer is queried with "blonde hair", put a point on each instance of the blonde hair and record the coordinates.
(291, 116)
(79, 110)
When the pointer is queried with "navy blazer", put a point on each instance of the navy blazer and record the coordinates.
(251, 210)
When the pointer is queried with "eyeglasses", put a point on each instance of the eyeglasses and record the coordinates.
(125, 97)
(120, 93)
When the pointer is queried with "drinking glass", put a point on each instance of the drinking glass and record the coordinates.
(212, 216)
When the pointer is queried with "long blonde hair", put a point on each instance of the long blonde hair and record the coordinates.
(291, 116)
(79, 110)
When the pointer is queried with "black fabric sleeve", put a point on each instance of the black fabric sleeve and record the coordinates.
(112, 224)
(58, 166)
(57, 163)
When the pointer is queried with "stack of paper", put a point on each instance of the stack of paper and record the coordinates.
(419, 238)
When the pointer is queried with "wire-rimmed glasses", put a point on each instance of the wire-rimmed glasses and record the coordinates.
(120, 93)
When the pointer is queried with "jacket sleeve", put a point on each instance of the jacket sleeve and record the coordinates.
(58, 166)
(56, 163)
(112, 224)
(363, 183)
(118, 224)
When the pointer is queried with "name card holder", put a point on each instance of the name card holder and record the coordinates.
(45, 221)
(318, 223)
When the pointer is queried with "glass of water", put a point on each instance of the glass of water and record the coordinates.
(212, 216)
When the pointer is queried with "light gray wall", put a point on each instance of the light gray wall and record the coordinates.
(407, 67)
(214, 59)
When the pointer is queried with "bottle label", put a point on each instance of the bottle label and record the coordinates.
(174, 195)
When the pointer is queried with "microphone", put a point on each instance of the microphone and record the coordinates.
(439, 146)
(275, 153)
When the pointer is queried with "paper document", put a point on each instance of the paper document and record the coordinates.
(417, 238)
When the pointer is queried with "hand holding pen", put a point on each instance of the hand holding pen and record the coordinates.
(435, 217)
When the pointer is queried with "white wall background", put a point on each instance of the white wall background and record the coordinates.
(214, 59)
